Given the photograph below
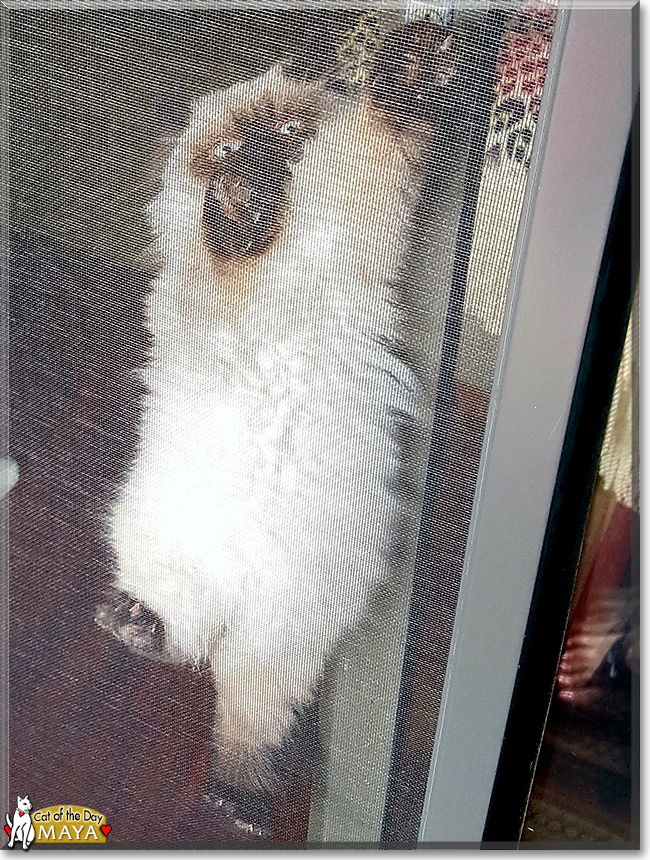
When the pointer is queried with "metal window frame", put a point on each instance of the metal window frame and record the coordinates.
(588, 115)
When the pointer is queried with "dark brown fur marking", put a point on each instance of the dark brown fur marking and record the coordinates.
(246, 197)
(415, 62)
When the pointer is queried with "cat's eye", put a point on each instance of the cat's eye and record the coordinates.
(290, 127)
(225, 147)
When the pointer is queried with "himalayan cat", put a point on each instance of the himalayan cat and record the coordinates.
(283, 443)
(22, 828)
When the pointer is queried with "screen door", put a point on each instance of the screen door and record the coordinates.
(274, 274)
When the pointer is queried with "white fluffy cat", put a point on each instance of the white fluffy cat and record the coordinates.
(265, 504)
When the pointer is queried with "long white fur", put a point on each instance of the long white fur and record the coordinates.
(259, 515)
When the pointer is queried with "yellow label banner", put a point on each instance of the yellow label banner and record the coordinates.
(67, 823)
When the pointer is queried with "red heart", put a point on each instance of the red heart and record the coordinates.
(21, 814)
(106, 829)
(8, 829)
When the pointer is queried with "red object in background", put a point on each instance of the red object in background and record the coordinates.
(602, 604)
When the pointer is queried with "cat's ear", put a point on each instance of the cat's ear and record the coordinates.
(19, 798)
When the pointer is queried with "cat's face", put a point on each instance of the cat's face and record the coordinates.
(24, 803)
(244, 156)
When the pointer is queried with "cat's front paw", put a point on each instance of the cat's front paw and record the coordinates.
(132, 622)
(412, 71)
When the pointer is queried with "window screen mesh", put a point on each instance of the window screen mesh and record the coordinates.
(350, 201)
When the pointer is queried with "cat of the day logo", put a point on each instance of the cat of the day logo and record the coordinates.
(55, 824)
